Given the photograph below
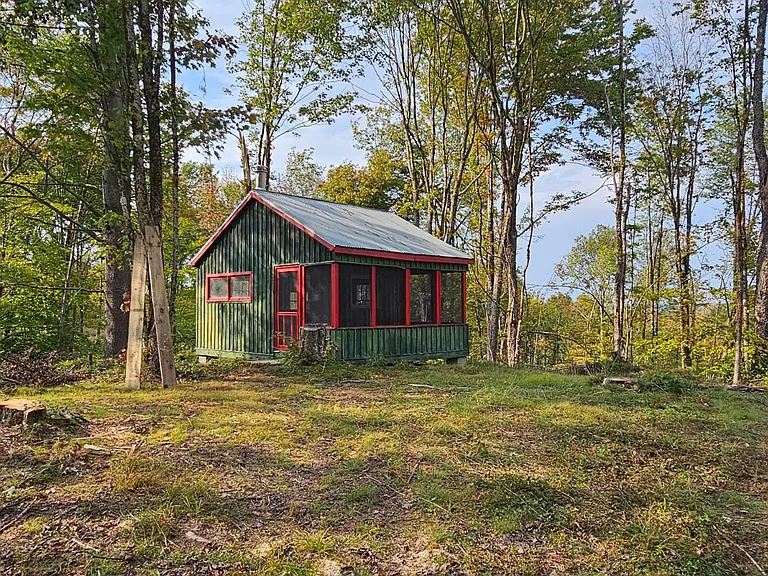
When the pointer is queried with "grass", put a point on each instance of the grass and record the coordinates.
(483, 471)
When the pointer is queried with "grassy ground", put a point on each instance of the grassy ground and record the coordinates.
(404, 470)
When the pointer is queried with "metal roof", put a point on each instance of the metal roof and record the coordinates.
(347, 228)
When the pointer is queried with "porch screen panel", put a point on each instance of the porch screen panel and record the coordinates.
(354, 295)
(317, 294)
(422, 297)
(450, 298)
(390, 296)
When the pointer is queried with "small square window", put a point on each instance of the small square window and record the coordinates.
(241, 287)
(362, 295)
(218, 289)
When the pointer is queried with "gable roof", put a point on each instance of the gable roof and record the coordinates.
(348, 229)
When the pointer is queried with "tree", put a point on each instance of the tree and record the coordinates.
(374, 186)
(673, 117)
(728, 156)
(610, 91)
(590, 268)
(297, 57)
(761, 157)
(302, 175)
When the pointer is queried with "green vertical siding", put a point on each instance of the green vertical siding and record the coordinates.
(401, 343)
(255, 242)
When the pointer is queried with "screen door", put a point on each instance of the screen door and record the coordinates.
(287, 303)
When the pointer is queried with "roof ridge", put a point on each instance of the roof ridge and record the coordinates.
(384, 210)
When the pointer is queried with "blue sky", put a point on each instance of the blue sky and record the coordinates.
(334, 144)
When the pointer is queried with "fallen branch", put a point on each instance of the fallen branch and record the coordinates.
(415, 468)
(748, 555)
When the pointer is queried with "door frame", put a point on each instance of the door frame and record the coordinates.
(299, 313)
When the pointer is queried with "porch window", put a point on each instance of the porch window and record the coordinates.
(354, 295)
(231, 287)
(451, 290)
(422, 297)
(317, 294)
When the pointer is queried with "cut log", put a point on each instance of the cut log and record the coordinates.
(21, 412)
(629, 383)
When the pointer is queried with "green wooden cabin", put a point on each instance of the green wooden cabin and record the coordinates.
(384, 288)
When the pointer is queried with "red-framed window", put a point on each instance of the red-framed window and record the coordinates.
(229, 287)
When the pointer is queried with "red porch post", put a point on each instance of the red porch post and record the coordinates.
(407, 296)
(463, 297)
(334, 294)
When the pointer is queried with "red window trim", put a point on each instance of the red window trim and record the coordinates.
(229, 297)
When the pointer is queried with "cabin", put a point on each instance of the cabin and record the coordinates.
(381, 288)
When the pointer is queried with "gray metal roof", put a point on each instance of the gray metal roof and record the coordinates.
(355, 227)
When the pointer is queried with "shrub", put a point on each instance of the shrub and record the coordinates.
(672, 382)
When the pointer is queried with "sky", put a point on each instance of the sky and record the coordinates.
(334, 144)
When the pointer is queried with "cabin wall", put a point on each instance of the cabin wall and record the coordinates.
(401, 343)
(256, 241)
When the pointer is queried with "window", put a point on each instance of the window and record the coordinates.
(362, 294)
(354, 295)
(451, 288)
(317, 294)
(288, 297)
(422, 297)
(390, 296)
(234, 287)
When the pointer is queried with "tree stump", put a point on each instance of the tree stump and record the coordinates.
(21, 412)
(313, 341)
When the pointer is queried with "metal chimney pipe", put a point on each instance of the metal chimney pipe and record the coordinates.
(261, 177)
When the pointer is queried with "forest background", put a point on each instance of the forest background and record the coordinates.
(604, 164)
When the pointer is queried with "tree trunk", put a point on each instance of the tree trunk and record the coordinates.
(116, 191)
(176, 159)
(621, 208)
(761, 157)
